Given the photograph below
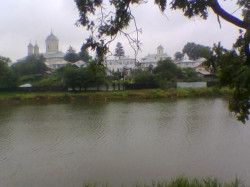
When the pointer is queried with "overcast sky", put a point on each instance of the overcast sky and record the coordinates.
(22, 21)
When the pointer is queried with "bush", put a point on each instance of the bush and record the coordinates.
(50, 81)
(145, 78)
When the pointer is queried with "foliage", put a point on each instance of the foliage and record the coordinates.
(7, 77)
(115, 95)
(109, 24)
(233, 71)
(83, 54)
(93, 75)
(117, 75)
(165, 72)
(32, 65)
(195, 51)
(190, 75)
(178, 56)
(71, 55)
(180, 182)
(53, 80)
(5, 59)
(145, 78)
(119, 51)
(30, 78)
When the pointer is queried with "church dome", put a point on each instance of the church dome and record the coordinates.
(52, 37)
(160, 47)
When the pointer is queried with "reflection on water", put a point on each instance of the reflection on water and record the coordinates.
(121, 142)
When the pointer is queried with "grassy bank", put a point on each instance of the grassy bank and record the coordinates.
(181, 182)
(114, 95)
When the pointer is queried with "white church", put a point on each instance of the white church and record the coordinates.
(153, 59)
(54, 58)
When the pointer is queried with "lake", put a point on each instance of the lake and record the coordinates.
(121, 142)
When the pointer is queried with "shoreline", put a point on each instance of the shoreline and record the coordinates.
(9, 97)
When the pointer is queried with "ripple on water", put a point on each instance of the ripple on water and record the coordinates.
(121, 142)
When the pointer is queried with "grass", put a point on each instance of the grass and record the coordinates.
(182, 182)
(114, 95)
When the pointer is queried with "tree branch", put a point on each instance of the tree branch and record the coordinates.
(229, 17)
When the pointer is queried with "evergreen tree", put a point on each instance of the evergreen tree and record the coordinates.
(83, 54)
(119, 51)
(71, 55)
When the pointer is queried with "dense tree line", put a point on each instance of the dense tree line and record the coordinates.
(81, 78)
(166, 73)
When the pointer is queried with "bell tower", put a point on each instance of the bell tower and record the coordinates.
(30, 49)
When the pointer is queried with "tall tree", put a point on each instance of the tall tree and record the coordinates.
(71, 55)
(83, 54)
(195, 51)
(115, 22)
(235, 73)
(119, 51)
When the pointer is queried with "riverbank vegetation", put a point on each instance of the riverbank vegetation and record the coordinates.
(114, 95)
(182, 182)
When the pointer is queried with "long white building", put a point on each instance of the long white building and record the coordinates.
(120, 63)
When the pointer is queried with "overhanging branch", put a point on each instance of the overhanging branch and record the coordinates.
(229, 17)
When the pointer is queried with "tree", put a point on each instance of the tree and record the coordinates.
(165, 72)
(5, 59)
(190, 75)
(7, 77)
(116, 75)
(115, 22)
(145, 78)
(119, 52)
(93, 75)
(178, 56)
(83, 54)
(112, 23)
(31, 65)
(71, 55)
(195, 51)
(235, 73)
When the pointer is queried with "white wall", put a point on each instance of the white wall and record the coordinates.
(191, 84)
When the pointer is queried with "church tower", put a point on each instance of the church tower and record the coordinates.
(52, 44)
(30, 49)
(160, 50)
(36, 49)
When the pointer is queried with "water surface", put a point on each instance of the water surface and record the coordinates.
(121, 142)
